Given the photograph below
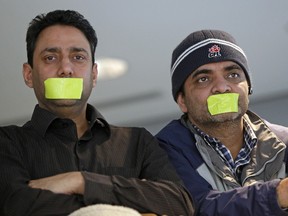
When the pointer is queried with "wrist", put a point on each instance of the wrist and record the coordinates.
(79, 182)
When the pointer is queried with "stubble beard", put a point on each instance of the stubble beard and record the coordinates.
(220, 120)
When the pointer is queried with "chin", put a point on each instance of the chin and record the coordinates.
(65, 102)
(226, 117)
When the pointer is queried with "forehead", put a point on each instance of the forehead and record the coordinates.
(61, 36)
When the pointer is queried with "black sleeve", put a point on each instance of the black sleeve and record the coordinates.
(17, 198)
(159, 190)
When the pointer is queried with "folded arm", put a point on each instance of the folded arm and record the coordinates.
(61, 194)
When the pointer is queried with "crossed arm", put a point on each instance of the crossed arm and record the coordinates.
(65, 183)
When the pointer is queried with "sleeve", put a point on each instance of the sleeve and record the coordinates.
(159, 190)
(17, 198)
(257, 199)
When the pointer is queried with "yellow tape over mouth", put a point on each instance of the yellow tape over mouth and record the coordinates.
(63, 88)
(223, 103)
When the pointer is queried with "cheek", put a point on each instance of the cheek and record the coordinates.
(198, 99)
(198, 104)
(192, 102)
(38, 81)
(88, 81)
(39, 78)
(41, 72)
(244, 100)
(244, 88)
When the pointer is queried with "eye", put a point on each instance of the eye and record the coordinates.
(202, 79)
(234, 75)
(79, 57)
(49, 58)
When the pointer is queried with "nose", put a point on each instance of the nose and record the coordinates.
(65, 68)
(221, 85)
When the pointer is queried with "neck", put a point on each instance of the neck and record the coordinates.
(82, 125)
(229, 133)
(75, 113)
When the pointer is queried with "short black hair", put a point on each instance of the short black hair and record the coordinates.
(62, 17)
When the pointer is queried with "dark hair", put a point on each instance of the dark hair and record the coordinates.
(62, 17)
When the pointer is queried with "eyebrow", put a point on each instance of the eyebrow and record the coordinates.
(232, 67)
(78, 49)
(209, 71)
(51, 49)
(201, 71)
(57, 49)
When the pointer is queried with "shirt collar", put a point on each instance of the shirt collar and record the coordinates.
(250, 138)
(42, 119)
(249, 135)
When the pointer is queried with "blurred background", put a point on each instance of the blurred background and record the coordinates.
(136, 38)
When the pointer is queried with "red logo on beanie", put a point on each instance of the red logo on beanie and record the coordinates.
(214, 51)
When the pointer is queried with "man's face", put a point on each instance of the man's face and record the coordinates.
(211, 79)
(61, 52)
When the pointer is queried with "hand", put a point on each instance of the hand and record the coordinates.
(65, 183)
(282, 193)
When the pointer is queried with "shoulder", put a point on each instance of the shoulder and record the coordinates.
(129, 130)
(18, 134)
(11, 137)
(10, 131)
(258, 122)
(171, 129)
(176, 134)
(280, 130)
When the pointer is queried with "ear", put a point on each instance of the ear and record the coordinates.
(181, 102)
(27, 75)
(94, 73)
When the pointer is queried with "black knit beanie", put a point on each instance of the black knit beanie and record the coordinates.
(204, 47)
